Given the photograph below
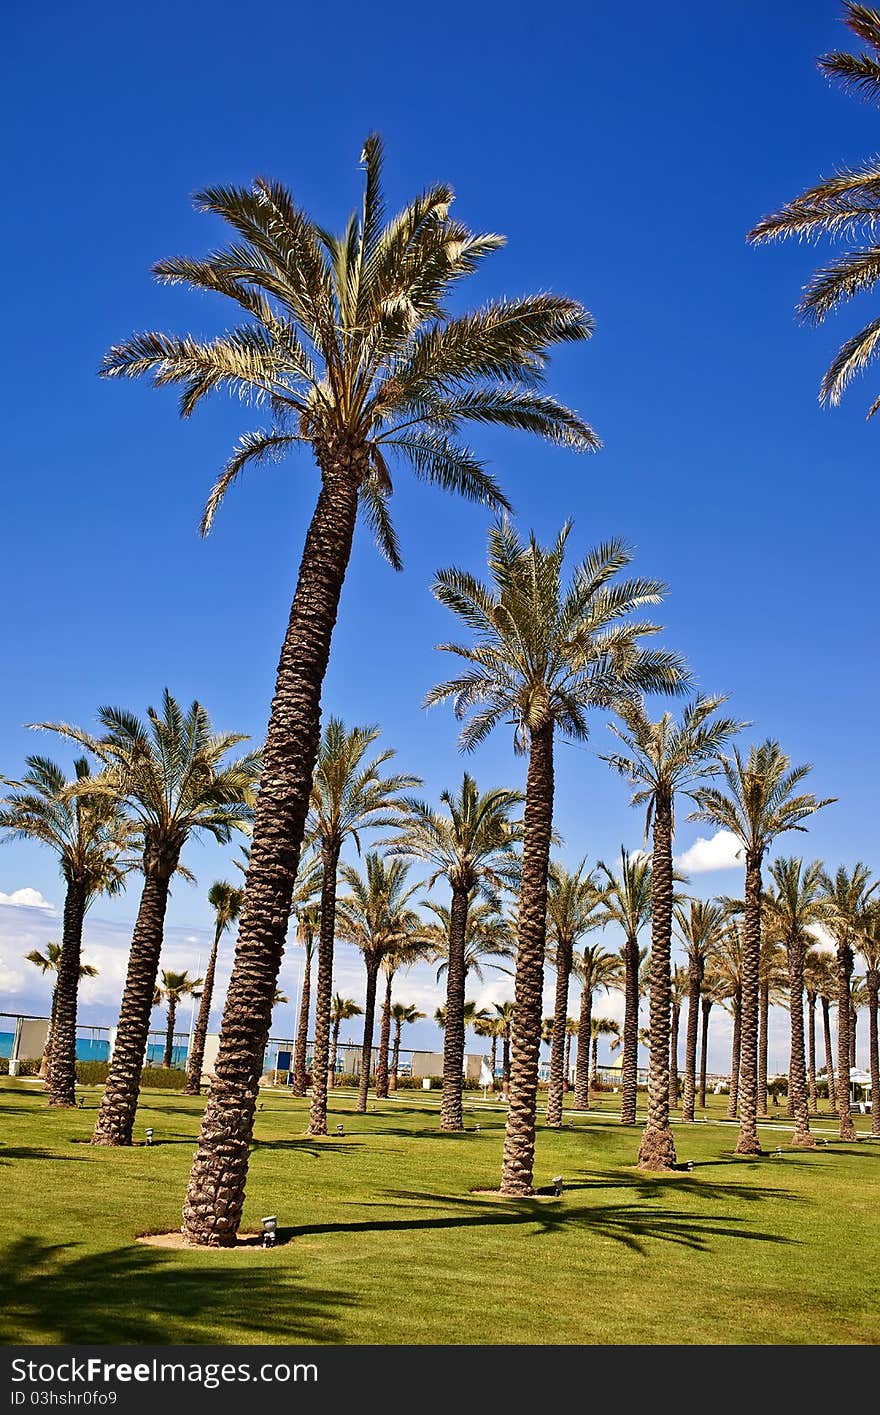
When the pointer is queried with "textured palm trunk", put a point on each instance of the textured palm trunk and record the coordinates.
(367, 1044)
(493, 1060)
(168, 1054)
(213, 1207)
(657, 1150)
(829, 1055)
(629, 1072)
(395, 1055)
(559, 1038)
(735, 1055)
(519, 1135)
(695, 983)
(115, 1122)
(747, 1141)
(594, 1068)
(323, 1071)
(384, 1043)
(566, 1083)
(844, 973)
(706, 1006)
(582, 1065)
(61, 1044)
(798, 1074)
(872, 983)
(298, 1079)
(853, 1019)
(45, 1059)
(763, 1023)
(196, 1058)
(451, 1115)
(674, 1077)
(811, 1053)
(505, 1066)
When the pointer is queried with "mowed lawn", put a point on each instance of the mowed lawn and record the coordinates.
(383, 1240)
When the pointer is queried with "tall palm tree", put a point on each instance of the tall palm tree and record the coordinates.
(728, 974)
(412, 947)
(170, 775)
(662, 760)
(470, 845)
(503, 1031)
(678, 991)
(89, 834)
(626, 902)
(597, 971)
(349, 343)
(226, 901)
(845, 208)
(792, 909)
(699, 930)
(375, 915)
(402, 1014)
(342, 1009)
(824, 973)
(48, 962)
(869, 947)
(543, 655)
(601, 1027)
(572, 910)
(711, 992)
(760, 802)
(351, 793)
(851, 896)
(308, 924)
(811, 990)
(773, 987)
(172, 988)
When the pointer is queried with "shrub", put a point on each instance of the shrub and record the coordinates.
(27, 1066)
(157, 1078)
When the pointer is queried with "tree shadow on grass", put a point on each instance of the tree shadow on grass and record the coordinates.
(629, 1224)
(650, 1186)
(308, 1144)
(8, 1153)
(53, 1293)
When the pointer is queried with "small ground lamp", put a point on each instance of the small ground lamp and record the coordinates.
(270, 1225)
(149, 1134)
(340, 1129)
(557, 1185)
(689, 1165)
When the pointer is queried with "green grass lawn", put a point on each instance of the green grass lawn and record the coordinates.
(383, 1240)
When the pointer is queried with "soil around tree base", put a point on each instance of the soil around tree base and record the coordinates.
(176, 1240)
(657, 1150)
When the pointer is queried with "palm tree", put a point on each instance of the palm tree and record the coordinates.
(543, 655)
(572, 908)
(869, 947)
(773, 985)
(601, 1027)
(226, 901)
(825, 974)
(626, 901)
(342, 1009)
(89, 835)
(308, 924)
(712, 992)
(470, 846)
(350, 794)
(571, 1031)
(851, 901)
(728, 970)
(812, 984)
(401, 1014)
(699, 931)
(792, 909)
(662, 760)
(474, 1016)
(349, 343)
(858, 998)
(597, 971)
(844, 207)
(375, 915)
(48, 962)
(759, 804)
(169, 774)
(412, 947)
(678, 991)
(173, 987)
(503, 1031)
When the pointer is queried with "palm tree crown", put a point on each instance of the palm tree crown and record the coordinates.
(349, 793)
(760, 801)
(48, 962)
(471, 844)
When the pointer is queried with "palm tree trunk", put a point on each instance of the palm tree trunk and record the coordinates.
(372, 965)
(168, 1055)
(197, 1053)
(811, 1054)
(395, 1054)
(45, 1059)
(763, 1022)
(695, 982)
(62, 1027)
(872, 983)
(331, 1069)
(747, 1141)
(735, 1054)
(657, 1150)
(321, 1068)
(630, 1061)
(566, 1085)
(505, 1066)
(493, 1060)
(582, 1065)
(789, 1099)
(674, 1078)
(594, 1068)
(298, 1080)
(844, 973)
(214, 1202)
(853, 1019)
(797, 1076)
(119, 1102)
(451, 1114)
(829, 1055)
(558, 1067)
(519, 1135)
(384, 1043)
(706, 1005)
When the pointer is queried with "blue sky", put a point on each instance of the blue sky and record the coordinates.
(624, 153)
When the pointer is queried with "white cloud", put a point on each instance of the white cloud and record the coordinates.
(721, 852)
(26, 899)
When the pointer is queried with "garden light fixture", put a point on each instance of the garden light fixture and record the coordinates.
(149, 1134)
(270, 1224)
(557, 1185)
